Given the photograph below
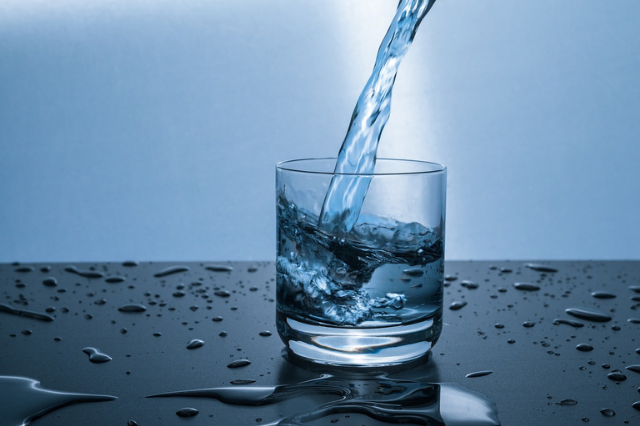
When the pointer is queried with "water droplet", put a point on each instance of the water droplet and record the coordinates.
(585, 419)
(222, 293)
(506, 270)
(157, 334)
(216, 319)
(223, 334)
(130, 263)
(265, 333)
(187, 412)
(499, 325)
(603, 295)
(565, 402)
(179, 293)
(607, 412)
(24, 269)
(572, 323)
(635, 288)
(24, 313)
(45, 269)
(242, 382)
(634, 320)
(511, 341)
(132, 423)
(239, 363)
(616, 376)
(84, 273)
(50, 282)
(413, 272)
(471, 285)
(588, 314)
(635, 368)
(132, 308)
(526, 286)
(115, 279)
(450, 278)
(636, 405)
(195, 343)
(27, 332)
(171, 270)
(96, 356)
(30, 401)
(478, 374)
(219, 268)
(528, 324)
(457, 305)
(540, 268)
(252, 269)
(583, 347)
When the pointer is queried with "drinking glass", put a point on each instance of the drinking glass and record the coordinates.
(368, 294)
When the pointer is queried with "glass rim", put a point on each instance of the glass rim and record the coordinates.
(289, 165)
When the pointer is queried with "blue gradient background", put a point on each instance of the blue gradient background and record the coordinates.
(149, 130)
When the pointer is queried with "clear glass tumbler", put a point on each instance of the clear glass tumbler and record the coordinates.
(370, 294)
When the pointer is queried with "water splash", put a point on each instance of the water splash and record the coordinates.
(381, 398)
(357, 155)
(23, 400)
(24, 313)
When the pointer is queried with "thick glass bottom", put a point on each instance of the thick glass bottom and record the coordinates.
(358, 346)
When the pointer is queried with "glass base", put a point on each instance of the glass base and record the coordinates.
(359, 347)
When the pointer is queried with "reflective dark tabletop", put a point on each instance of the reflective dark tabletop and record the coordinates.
(562, 349)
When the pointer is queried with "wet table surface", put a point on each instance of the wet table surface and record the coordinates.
(536, 369)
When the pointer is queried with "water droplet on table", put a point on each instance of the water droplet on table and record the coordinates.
(242, 382)
(526, 287)
(540, 267)
(96, 356)
(170, 271)
(471, 285)
(635, 368)
(478, 374)
(219, 268)
(588, 314)
(135, 308)
(50, 282)
(265, 333)
(115, 279)
(572, 323)
(583, 347)
(239, 363)
(222, 293)
(195, 343)
(607, 412)
(187, 412)
(84, 273)
(616, 376)
(566, 402)
(457, 305)
(603, 295)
